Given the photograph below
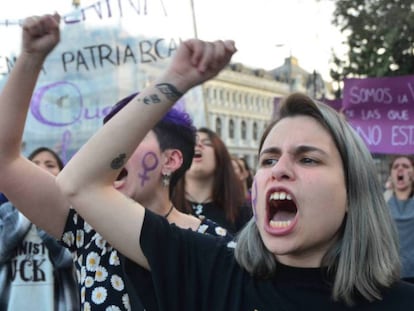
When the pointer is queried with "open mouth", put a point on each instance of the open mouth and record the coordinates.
(122, 174)
(121, 179)
(197, 155)
(400, 177)
(281, 210)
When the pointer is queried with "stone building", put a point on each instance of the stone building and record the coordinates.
(241, 101)
(239, 104)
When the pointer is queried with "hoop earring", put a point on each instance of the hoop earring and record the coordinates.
(166, 179)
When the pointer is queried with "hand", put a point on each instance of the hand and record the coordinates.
(197, 61)
(40, 34)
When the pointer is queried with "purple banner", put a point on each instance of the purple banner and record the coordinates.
(381, 110)
(334, 103)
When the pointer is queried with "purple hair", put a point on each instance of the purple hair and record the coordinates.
(174, 131)
(174, 115)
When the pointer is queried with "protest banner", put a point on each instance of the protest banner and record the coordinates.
(108, 50)
(381, 110)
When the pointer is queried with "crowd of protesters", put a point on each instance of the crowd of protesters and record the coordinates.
(197, 231)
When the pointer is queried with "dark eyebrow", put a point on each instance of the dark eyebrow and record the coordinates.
(305, 148)
(273, 150)
(297, 150)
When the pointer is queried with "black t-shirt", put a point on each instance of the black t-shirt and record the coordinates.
(139, 282)
(195, 272)
(107, 279)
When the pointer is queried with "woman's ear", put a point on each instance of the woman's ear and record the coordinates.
(172, 160)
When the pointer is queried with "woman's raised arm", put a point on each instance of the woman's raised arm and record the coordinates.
(87, 180)
(30, 188)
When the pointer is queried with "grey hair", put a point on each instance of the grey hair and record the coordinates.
(365, 259)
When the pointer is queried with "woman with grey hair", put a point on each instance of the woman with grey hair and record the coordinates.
(363, 257)
(321, 237)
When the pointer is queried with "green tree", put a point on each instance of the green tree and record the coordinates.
(380, 36)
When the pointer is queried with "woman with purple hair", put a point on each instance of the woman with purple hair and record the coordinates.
(321, 237)
(107, 280)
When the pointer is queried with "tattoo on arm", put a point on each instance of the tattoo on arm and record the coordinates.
(169, 90)
(151, 99)
(118, 162)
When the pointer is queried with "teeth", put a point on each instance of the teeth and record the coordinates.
(279, 223)
(280, 196)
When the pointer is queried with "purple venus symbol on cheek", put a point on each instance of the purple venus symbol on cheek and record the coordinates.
(149, 163)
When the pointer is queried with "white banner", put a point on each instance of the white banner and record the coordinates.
(108, 50)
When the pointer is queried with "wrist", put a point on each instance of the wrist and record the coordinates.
(177, 83)
(169, 91)
(32, 60)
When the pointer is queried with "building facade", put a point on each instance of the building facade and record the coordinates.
(241, 101)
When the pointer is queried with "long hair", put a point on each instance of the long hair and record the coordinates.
(174, 131)
(52, 152)
(365, 258)
(227, 189)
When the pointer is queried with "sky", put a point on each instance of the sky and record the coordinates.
(268, 31)
(265, 31)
